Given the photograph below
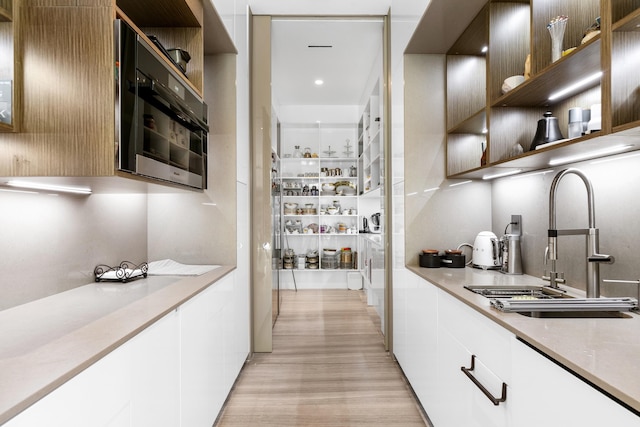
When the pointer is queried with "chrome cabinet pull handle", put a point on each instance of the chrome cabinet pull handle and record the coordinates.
(494, 400)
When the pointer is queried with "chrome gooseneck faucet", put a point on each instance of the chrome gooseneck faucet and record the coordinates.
(594, 258)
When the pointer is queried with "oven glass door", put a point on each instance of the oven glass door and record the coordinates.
(160, 135)
(169, 137)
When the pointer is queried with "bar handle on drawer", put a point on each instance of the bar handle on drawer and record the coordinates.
(467, 372)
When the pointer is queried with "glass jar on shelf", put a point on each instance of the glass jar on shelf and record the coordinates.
(297, 154)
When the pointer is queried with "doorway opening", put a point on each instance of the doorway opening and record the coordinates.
(328, 107)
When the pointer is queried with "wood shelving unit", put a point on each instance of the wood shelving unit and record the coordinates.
(479, 114)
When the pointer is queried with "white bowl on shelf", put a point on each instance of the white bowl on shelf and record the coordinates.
(511, 83)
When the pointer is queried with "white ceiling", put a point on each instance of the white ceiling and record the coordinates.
(345, 66)
(320, 7)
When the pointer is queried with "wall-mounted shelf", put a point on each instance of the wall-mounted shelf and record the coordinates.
(605, 65)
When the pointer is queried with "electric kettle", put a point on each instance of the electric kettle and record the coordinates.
(486, 251)
(548, 131)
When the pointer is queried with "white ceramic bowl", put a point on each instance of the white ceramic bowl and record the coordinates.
(290, 205)
(328, 187)
(511, 82)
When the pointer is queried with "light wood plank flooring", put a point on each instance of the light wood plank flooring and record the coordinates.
(328, 368)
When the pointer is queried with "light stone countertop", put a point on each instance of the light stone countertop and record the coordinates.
(46, 342)
(604, 351)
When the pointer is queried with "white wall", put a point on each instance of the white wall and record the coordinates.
(50, 244)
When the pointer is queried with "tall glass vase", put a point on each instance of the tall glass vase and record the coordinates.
(556, 30)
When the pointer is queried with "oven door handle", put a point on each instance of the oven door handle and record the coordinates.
(155, 89)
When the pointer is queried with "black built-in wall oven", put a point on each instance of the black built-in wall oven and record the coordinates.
(161, 123)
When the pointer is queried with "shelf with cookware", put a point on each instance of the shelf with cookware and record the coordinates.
(319, 198)
(505, 74)
(370, 145)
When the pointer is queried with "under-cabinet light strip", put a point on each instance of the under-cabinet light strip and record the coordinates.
(526, 175)
(502, 174)
(575, 86)
(613, 159)
(460, 183)
(587, 155)
(49, 187)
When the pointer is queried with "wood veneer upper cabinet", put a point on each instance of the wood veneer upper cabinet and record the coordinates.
(8, 99)
(67, 115)
(66, 48)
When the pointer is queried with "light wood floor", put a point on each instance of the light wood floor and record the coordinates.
(328, 368)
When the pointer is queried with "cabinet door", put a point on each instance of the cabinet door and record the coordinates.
(463, 333)
(415, 334)
(98, 397)
(155, 374)
(202, 335)
(547, 395)
(459, 402)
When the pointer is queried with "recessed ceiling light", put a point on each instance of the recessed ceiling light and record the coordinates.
(484, 49)
(319, 82)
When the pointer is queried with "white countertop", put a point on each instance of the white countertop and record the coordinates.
(46, 342)
(604, 351)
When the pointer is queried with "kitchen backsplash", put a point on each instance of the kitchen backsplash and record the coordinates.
(50, 244)
(616, 185)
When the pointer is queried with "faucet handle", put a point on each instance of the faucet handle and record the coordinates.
(602, 258)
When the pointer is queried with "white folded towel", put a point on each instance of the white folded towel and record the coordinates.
(169, 267)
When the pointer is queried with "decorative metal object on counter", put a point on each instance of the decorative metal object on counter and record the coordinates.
(124, 272)
(510, 251)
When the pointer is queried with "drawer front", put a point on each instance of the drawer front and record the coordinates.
(488, 341)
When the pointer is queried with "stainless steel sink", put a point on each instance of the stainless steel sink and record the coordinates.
(542, 301)
(517, 291)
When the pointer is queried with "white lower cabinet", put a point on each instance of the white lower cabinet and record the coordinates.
(436, 335)
(155, 374)
(548, 395)
(204, 352)
(177, 372)
(98, 397)
(466, 337)
(415, 332)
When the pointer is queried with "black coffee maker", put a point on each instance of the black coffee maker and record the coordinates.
(548, 131)
(375, 222)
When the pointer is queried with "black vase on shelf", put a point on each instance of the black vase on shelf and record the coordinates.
(548, 131)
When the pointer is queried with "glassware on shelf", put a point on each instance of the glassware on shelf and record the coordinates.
(329, 152)
(307, 153)
(297, 154)
(556, 29)
(347, 149)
